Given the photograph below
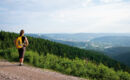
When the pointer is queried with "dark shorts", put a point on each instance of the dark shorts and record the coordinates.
(21, 52)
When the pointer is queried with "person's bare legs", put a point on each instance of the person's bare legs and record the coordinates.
(21, 61)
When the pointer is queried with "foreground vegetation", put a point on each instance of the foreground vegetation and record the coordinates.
(76, 67)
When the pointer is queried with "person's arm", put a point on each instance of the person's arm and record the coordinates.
(26, 40)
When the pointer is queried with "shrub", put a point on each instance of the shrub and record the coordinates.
(28, 57)
(123, 75)
(76, 67)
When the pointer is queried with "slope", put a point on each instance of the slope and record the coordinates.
(121, 54)
(43, 46)
(75, 67)
(124, 58)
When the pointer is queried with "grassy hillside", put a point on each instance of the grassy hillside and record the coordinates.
(43, 47)
(76, 67)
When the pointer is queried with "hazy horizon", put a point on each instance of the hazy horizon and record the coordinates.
(71, 32)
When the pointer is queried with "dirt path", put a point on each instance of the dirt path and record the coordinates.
(11, 71)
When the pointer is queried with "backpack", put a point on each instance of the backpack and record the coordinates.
(19, 42)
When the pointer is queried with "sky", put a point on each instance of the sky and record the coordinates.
(65, 16)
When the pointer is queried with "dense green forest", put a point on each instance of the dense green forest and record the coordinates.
(125, 58)
(59, 52)
(121, 54)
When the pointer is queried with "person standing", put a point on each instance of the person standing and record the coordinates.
(21, 43)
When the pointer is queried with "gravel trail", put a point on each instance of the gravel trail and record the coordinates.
(11, 71)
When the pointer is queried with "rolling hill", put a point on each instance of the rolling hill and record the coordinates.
(115, 51)
(113, 40)
(121, 54)
(124, 58)
(82, 37)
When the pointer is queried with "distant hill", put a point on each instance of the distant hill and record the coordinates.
(121, 54)
(93, 41)
(123, 41)
(70, 43)
(114, 51)
(82, 37)
(124, 58)
(39, 36)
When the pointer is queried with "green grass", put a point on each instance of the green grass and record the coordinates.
(75, 67)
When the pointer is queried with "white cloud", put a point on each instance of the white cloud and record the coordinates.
(86, 3)
(110, 1)
(100, 18)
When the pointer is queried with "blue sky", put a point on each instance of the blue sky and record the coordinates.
(65, 16)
